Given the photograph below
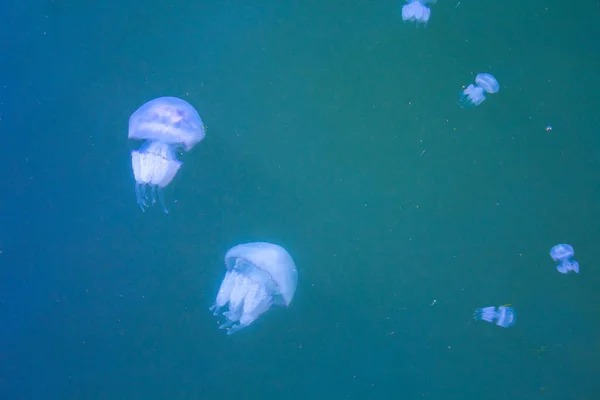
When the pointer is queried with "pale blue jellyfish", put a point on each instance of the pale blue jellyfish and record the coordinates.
(417, 10)
(564, 254)
(167, 125)
(258, 276)
(502, 316)
(474, 95)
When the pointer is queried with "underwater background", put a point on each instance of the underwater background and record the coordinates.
(333, 130)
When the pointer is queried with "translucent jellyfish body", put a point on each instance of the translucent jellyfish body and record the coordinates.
(502, 316)
(167, 125)
(474, 95)
(417, 11)
(563, 253)
(258, 276)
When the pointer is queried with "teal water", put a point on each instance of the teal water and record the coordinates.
(333, 131)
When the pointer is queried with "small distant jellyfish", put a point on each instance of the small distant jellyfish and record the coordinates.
(167, 125)
(474, 95)
(564, 254)
(258, 276)
(502, 316)
(417, 10)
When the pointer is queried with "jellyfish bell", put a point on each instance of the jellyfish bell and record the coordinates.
(166, 124)
(487, 82)
(258, 276)
(561, 252)
(507, 317)
(168, 120)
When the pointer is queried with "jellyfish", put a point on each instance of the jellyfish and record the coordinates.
(417, 10)
(474, 95)
(167, 125)
(564, 254)
(258, 276)
(502, 316)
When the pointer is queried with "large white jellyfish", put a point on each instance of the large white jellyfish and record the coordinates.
(167, 125)
(417, 10)
(503, 316)
(564, 253)
(474, 95)
(258, 275)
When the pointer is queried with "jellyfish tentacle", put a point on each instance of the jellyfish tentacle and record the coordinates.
(235, 328)
(153, 193)
(215, 309)
(161, 199)
(226, 324)
(140, 194)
